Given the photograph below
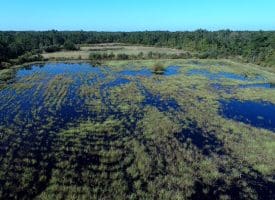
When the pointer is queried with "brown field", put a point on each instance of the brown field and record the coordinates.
(115, 48)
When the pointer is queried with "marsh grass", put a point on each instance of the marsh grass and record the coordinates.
(126, 148)
(6, 75)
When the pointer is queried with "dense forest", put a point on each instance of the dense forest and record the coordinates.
(251, 46)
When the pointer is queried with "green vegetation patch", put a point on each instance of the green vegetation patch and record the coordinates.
(107, 136)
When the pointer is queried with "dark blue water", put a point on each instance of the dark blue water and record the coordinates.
(59, 68)
(257, 114)
(258, 85)
(163, 105)
(222, 75)
(33, 103)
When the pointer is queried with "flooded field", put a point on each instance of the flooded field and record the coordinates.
(59, 91)
(259, 114)
(222, 75)
(76, 128)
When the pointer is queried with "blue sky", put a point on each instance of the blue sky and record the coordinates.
(137, 15)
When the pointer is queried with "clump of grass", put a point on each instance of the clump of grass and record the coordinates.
(6, 74)
(158, 68)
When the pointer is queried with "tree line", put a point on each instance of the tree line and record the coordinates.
(253, 46)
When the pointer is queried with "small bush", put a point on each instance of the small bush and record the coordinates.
(140, 55)
(150, 55)
(95, 56)
(159, 69)
(69, 45)
(122, 56)
(52, 48)
(28, 57)
(112, 56)
(208, 54)
(102, 56)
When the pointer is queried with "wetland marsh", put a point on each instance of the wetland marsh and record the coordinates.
(137, 100)
(121, 131)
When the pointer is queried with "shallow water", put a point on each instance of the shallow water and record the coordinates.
(157, 101)
(59, 68)
(231, 88)
(169, 71)
(51, 92)
(142, 72)
(258, 114)
(117, 82)
(41, 101)
(222, 75)
(258, 85)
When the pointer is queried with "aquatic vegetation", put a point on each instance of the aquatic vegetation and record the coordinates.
(6, 75)
(141, 72)
(222, 75)
(80, 131)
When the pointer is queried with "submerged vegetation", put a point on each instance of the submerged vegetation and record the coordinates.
(76, 131)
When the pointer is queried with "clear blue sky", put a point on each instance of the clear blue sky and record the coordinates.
(136, 15)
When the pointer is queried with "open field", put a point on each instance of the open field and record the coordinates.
(85, 51)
